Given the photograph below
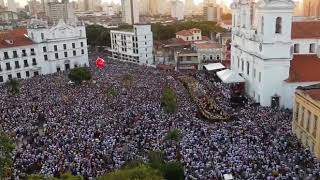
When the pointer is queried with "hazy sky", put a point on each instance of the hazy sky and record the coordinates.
(23, 2)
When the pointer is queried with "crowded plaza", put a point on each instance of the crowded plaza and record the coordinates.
(59, 126)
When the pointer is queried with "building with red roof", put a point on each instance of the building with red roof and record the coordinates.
(39, 49)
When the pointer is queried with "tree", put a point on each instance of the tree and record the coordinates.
(65, 176)
(174, 137)
(6, 148)
(80, 74)
(173, 171)
(140, 172)
(13, 86)
(156, 159)
(169, 100)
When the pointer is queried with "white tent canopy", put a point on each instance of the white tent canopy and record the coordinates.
(214, 66)
(228, 76)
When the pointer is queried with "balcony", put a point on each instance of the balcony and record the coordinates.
(8, 68)
(6, 57)
(17, 66)
(26, 65)
(33, 53)
(34, 63)
(24, 54)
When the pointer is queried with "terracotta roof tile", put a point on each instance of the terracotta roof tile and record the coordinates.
(304, 68)
(208, 45)
(16, 36)
(188, 32)
(305, 30)
(313, 93)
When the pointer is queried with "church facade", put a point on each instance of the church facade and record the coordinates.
(265, 50)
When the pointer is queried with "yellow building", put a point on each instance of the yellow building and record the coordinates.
(306, 114)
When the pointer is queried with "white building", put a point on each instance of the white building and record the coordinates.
(134, 45)
(130, 11)
(177, 10)
(272, 53)
(193, 34)
(212, 12)
(60, 10)
(25, 53)
(2, 3)
(12, 5)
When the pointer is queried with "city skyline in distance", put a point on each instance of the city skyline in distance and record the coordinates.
(24, 2)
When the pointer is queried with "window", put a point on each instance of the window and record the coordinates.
(259, 76)
(64, 46)
(73, 45)
(187, 38)
(198, 37)
(308, 121)
(312, 48)
(242, 65)
(218, 57)
(65, 54)
(1, 78)
(296, 48)
(55, 47)
(44, 49)
(279, 25)
(42, 36)
(302, 117)
(15, 54)
(58, 69)
(0, 68)
(6, 55)
(81, 44)
(296, 118)
(27, 74)
(211, 57)
(25, 63)
(34, 62)
(56, 55)
(238, 63)
(36, 73)
(16, 63)
(32, 52)
(262, 24)
(74, 53)
(315, 126)
(254, 73)
(9, 76)
(24, 53)
(248, 68)
(19, 75)
(204, 57)
(45, 57)
(82, 51)
(8, 67)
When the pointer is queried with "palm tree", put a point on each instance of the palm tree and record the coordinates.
(174, 136)
(13, 86)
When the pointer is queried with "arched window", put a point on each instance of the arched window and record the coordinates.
(262, 24)
(278, 25)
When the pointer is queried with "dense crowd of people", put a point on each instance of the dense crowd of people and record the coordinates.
(88, 131)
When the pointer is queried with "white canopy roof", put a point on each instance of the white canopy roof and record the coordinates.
(214, 66)
(228, 76)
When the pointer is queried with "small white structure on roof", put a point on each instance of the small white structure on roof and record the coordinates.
(214, 66)
(228, 76)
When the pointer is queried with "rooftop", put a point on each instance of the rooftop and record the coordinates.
(188, 32)
(208, 45)
(305, 30)
(14, 38)
(313, 91)
(304, 68)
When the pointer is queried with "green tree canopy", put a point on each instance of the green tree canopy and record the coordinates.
(169, 100)
(65, 176)
(173, 171)
(80, 74)
(6, 148)
(141, 172)
(13, 85)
